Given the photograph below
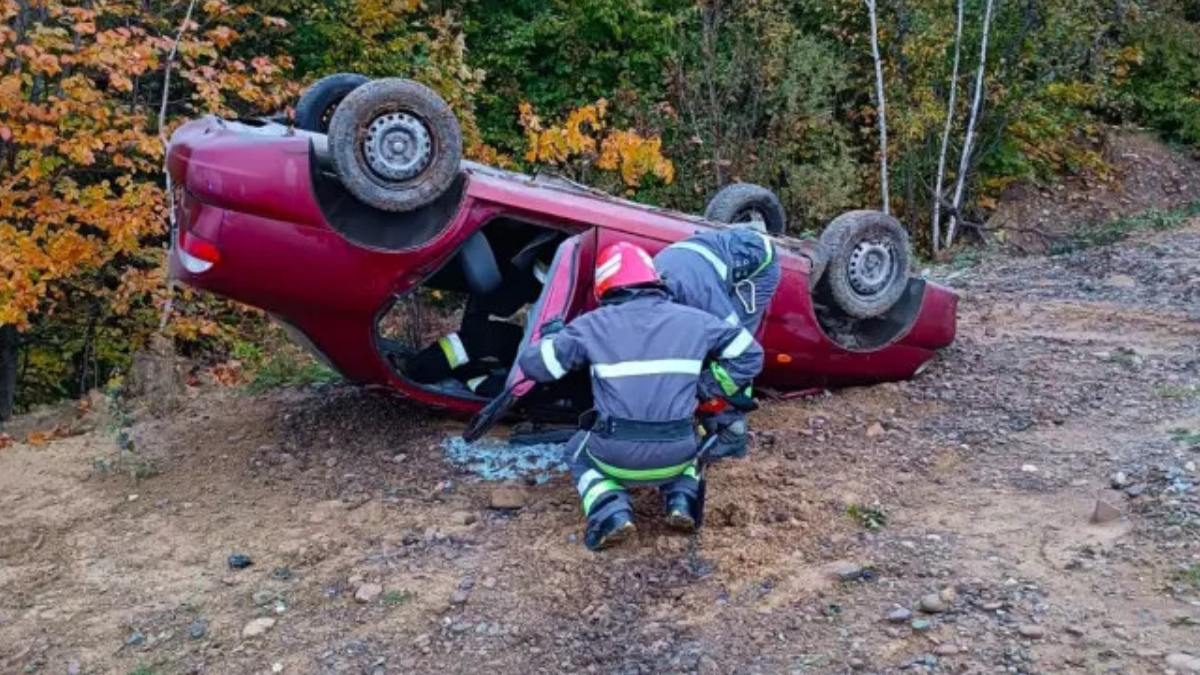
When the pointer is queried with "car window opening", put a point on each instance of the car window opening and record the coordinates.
(458, 333)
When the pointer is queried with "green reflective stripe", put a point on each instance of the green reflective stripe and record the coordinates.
(770, 255)
(456, 353)
(691, 472)
(727, 384)
(641, 474)
(596, 491)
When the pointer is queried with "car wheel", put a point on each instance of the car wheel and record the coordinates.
(866, 256)
(395, 144)
(317, 103)
(747, 203)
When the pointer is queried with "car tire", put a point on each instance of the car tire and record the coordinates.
(746, 203)
(866, 257)
(395, 144)
(317, 104)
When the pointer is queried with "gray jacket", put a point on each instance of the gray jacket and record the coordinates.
(647, 357)
(731, 274)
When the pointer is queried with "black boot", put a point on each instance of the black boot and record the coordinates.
(612, 530)
(681, 512)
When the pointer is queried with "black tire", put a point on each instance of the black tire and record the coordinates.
(316, 105)
(745, 202)
(867, 257)
(414, 171)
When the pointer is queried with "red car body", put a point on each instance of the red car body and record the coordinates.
(248, 226)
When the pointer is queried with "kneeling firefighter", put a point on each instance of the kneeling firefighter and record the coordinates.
(646, 355)
(732, 275)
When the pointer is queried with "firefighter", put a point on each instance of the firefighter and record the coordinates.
(647, 357)
(731, 274)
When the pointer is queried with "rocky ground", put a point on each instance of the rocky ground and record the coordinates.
(939, 525)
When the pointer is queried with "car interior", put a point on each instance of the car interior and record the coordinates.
(482, 294)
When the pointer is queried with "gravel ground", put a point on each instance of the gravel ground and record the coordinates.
(939, 525)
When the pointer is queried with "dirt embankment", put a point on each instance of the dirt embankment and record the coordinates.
(1143, 176)
(1073, 378)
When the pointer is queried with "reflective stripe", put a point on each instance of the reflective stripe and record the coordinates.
(474, 382)
(720, 267)
(539, 272)
(609, 268)
(653, 367)
(597, 491)
(770, 250)
(586, 479)
(456, 353)
(551, 360)
(733, 319)
(642, 474)
(691, 472)
(738, 346)
(722, 376)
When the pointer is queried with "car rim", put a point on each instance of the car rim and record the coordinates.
(871, 267)
(397, 146)
(750, 216)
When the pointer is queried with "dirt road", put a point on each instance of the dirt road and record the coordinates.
(373, 555)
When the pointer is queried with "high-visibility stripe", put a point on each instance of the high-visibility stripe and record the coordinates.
(474, 382)
(717, 264)
(586, 480)
(733, 319)
(738, 346)
(770, 250)
(662, 473)
(609, 268)
(456, 353)
(551, 360)
(722, 376)
(597, 491)
(652, 367)
(691, 472)
(539, 272)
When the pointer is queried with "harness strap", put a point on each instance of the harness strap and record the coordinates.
(637, 430)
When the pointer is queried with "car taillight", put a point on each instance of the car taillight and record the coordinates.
(196, 253)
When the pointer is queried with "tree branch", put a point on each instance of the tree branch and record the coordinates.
(941, 169)
(881, 105)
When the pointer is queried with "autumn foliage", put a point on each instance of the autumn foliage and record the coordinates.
(584, 140)
(82, 200)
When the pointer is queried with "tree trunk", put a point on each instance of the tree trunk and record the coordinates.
(965, 161)
(882, 107)
(8, 370)
(941, 170)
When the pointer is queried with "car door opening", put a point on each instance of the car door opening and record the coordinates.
(458, 333)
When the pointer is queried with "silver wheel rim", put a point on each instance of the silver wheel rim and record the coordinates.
(397, 146)
(871, 267)
(751, 216)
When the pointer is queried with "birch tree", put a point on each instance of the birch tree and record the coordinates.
(881, 105)
(968, 142)
(941, 168)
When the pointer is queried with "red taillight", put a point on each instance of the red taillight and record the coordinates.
(197, 254)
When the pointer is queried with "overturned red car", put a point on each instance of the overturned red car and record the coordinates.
(361, 229)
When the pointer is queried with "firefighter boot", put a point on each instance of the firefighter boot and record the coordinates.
(681, 512)
(611, 531)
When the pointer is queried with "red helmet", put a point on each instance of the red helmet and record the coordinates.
(622, 265)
